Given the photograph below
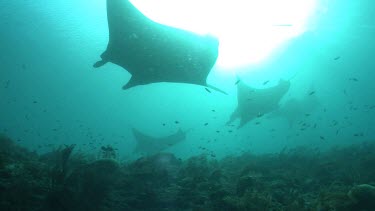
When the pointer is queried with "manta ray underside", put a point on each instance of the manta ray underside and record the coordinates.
(153, 52)
(253, 103)
(149, 145)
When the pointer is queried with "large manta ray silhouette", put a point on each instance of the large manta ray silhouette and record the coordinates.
(253, 103)
(153, 52)
(151, 145)
(295, 109)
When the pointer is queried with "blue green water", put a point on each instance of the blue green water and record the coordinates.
(51, 95)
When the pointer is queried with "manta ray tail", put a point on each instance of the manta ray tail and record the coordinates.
(216, 89)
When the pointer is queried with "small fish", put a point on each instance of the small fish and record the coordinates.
(7, 84)
(205, 124)
(311, 93)
(266, 82)
(257, 123)
(209, 91)
(163, 124)
(35, 102)
(307, 114)
(238, 81)
(176, 122)
(353, 108)
(337, 58)
(23, 66)
(353, 79)
(230, 131)
(218, 131)
(322, 138)
(358, 134)
(213, 110)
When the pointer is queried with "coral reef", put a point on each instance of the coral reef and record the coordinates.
(363, 196)
(297, 179)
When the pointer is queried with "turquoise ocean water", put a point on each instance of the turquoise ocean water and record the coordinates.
(52, 98)
(51, 95)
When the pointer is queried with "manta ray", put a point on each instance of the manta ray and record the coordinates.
(151, 145)
(253, 103)
(295, 109)
(152, 52)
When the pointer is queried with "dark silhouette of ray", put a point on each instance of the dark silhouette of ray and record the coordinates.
(253, 103)
(296, 109)
(149, 145)
(153, 52)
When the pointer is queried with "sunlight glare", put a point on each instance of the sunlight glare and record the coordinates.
(248, 30)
